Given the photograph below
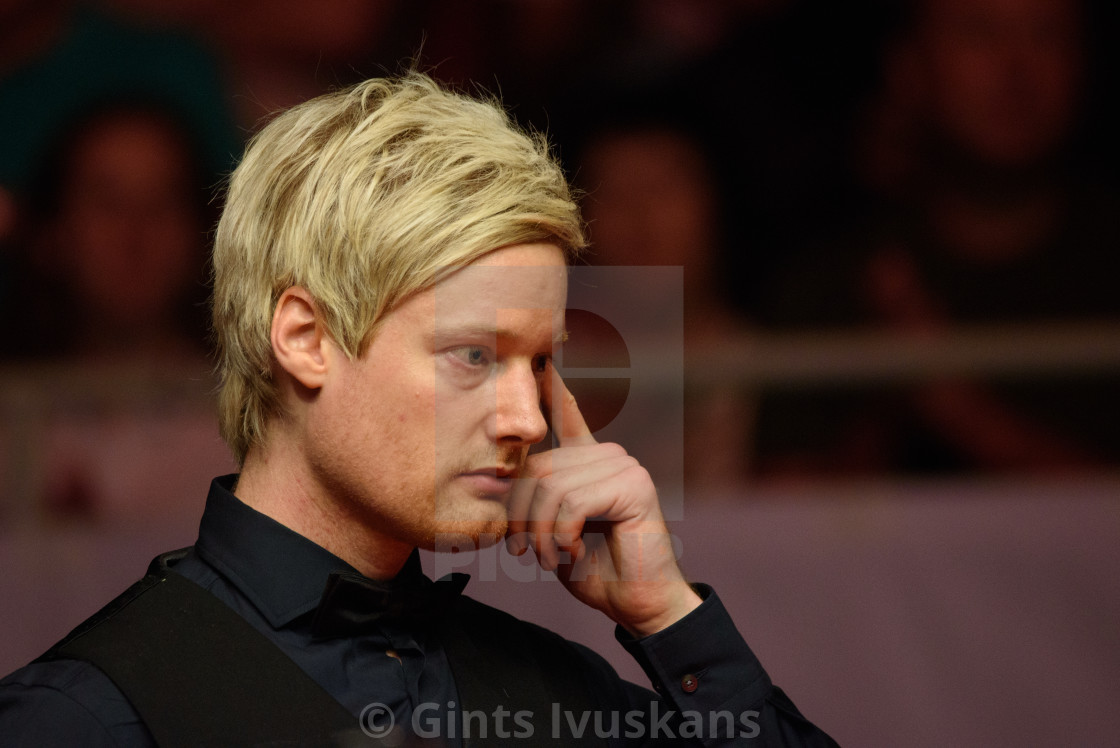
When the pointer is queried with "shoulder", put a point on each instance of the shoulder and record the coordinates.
(64, 699)
(67, 702)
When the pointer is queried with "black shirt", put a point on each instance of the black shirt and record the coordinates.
(275, 578)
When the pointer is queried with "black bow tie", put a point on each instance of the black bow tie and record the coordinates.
(352, 603)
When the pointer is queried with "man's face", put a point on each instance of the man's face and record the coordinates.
(423, 436)
(1004, 75)
(129, 228)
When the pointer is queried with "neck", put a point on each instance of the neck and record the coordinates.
(276, 481)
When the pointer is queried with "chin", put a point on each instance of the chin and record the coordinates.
(457, 537)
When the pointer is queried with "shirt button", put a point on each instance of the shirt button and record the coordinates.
(689, 683)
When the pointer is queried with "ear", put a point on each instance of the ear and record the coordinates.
(299, 339)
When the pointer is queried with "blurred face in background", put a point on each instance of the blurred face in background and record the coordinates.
(1002, 76)
(128, 228)
(651, 201)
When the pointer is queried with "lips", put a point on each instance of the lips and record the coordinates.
(490, 481)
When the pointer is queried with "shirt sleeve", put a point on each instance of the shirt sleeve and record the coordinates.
(67, 702)
(719, 694)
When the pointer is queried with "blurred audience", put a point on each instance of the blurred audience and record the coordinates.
(711, 134)
(279, 53)
(113, 295)
(985, 216)
(652, 201)
(116, 226)
(60, 57)
(541, 56)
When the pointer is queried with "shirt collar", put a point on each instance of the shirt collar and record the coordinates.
(279, 571)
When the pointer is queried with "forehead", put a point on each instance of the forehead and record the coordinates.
(510, 283)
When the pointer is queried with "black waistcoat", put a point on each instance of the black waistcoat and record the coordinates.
(200, 675)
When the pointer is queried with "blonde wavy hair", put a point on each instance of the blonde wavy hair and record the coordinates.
(365, 197)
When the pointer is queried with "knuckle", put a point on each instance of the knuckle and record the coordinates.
(636, 472)
(571, 504)
(612, 449)
(548, 484)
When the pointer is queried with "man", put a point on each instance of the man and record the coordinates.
(389, 289)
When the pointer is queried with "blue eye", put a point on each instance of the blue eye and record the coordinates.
(473, 355)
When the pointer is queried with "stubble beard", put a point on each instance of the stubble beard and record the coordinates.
(466, 522)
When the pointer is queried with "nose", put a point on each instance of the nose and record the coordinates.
(519, 420)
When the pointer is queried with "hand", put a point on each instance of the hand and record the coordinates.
(591, 514)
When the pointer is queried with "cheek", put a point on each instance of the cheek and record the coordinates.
(456, 409)
(407, 423)
(459, 428)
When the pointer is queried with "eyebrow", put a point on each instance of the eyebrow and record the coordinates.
(493, 331)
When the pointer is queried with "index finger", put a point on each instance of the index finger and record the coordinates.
(563, 413)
